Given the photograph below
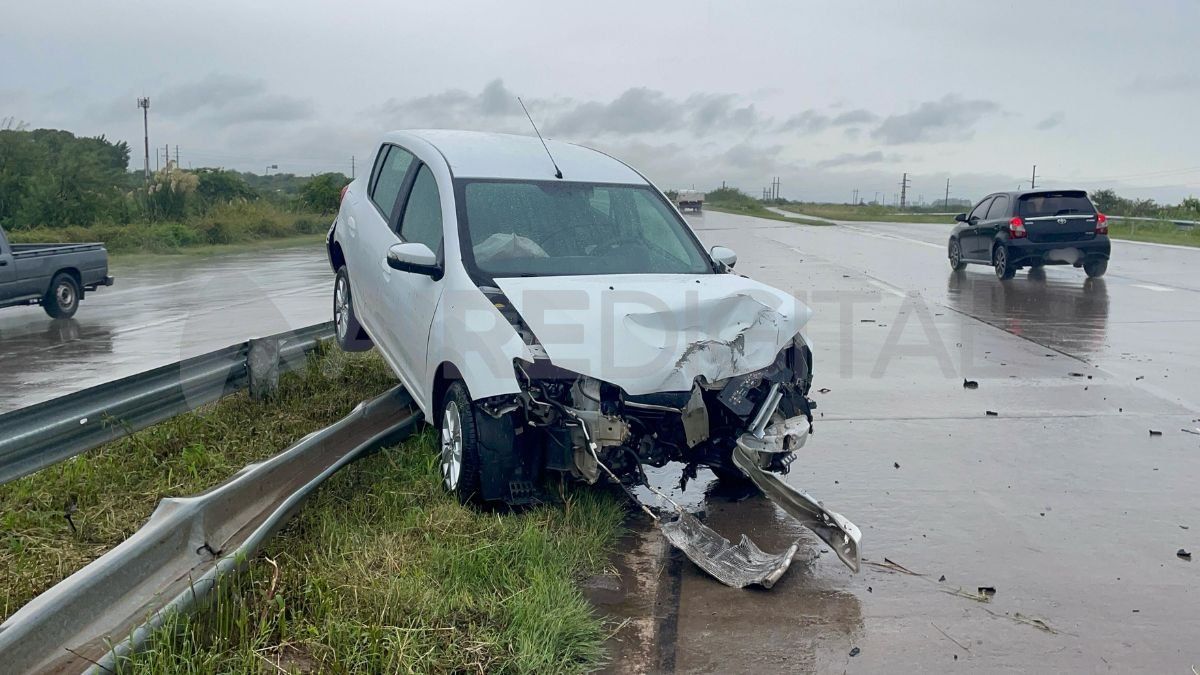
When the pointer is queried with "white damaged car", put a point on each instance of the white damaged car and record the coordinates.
(551, 311)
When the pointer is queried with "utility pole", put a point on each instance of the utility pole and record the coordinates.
(177, 157)
(1033, 179)
(351, 167)
(946, 201)
(903, 191)
(167, 157)
(144, 104)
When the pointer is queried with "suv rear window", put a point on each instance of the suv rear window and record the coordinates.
(1066, 203)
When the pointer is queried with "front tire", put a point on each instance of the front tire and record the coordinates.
(62, 299)
(350, 335)
(458, 460)
(1095, 268)
(1004, 268)
(956, 259)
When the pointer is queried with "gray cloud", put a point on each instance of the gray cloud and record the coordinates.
(807, 122)
(1163, 84)
(950, 118)
(1050, 121)
(222, 99)
(857, 159)
(856, 116)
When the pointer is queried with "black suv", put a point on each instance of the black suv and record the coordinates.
(1011, 230)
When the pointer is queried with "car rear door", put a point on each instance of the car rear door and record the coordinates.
(1057, 216)
(969, 239)
(372, 237)
(8, 270)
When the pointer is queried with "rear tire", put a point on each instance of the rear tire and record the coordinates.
(62, 299)
(1095, 268)
(1004, 269)
(956, 259)
(350, 334)
(458, 462)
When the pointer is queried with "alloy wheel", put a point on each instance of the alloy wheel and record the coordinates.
(452, 446)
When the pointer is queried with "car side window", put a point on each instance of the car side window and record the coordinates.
(422, 220)
(979, 211)
(999, 208)
(390, 178)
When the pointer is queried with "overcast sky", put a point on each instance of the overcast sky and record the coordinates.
(829, 96)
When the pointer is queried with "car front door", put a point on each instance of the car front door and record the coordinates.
(410, 298)
(8, 270)
(970, 238)
(995, 220)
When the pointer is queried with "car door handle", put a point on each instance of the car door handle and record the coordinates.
(3, 263)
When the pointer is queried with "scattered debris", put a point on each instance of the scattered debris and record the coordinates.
(1074, 374)
(1184, 555)
(977, 597)
(69, 510)
(970, 384)
(1139, 377)
(1155, 432)
(824, 390)
(960, 645)
(942, 578)
(992, 413)
(987, 590)
(1183, 527)
(855, 651)
(1191, 431)
(892, 566)
(866, 320)
(896, 464)
(869, 590)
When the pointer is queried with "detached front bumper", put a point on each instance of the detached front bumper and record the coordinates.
(1024, 253)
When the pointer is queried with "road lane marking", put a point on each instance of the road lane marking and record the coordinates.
(888, 288)
(1153, 287)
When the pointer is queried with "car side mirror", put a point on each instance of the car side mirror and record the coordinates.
(414, 257)
(723, 255)
(960, 218)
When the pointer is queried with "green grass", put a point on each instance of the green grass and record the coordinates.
(880, 213)
(111, 490)
(758, 211)
(381, 571)
(384, 572)
(1157, 232)
(234, 224)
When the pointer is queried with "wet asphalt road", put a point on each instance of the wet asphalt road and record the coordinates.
(1063, 501)
(159, 312)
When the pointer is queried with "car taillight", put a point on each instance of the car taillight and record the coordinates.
(1101, 223)
(1017, 227)
(343, 195)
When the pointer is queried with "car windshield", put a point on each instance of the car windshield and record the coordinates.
(536, 228)
(1056, 204)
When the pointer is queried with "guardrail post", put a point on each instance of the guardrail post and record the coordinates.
(263, 364)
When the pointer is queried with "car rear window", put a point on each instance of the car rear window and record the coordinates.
(1066, 203)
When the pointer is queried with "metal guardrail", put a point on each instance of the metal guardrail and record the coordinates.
(43, 434)
(1182, 224)
(103, 612)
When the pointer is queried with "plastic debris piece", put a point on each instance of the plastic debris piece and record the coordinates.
(970, 384)
(992, 413)
(855, 651)
(1184, 555)
(1155, 432)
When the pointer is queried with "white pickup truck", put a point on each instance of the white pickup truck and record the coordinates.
(689, 199)
(54, 276)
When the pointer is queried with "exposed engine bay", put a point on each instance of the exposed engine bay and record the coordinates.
(743, 427)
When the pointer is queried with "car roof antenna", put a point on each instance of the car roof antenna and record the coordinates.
(557, 171)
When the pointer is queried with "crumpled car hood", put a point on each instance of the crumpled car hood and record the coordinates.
(657, 332)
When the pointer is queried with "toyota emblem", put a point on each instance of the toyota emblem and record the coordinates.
(1061, 221)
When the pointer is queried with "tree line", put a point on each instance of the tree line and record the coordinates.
(52, 179)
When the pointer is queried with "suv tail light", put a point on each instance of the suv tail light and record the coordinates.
(1017, 227)
(342, 196)
(1101, 223)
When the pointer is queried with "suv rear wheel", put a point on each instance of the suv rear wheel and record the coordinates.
(1095, 268)
(1004, 268)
